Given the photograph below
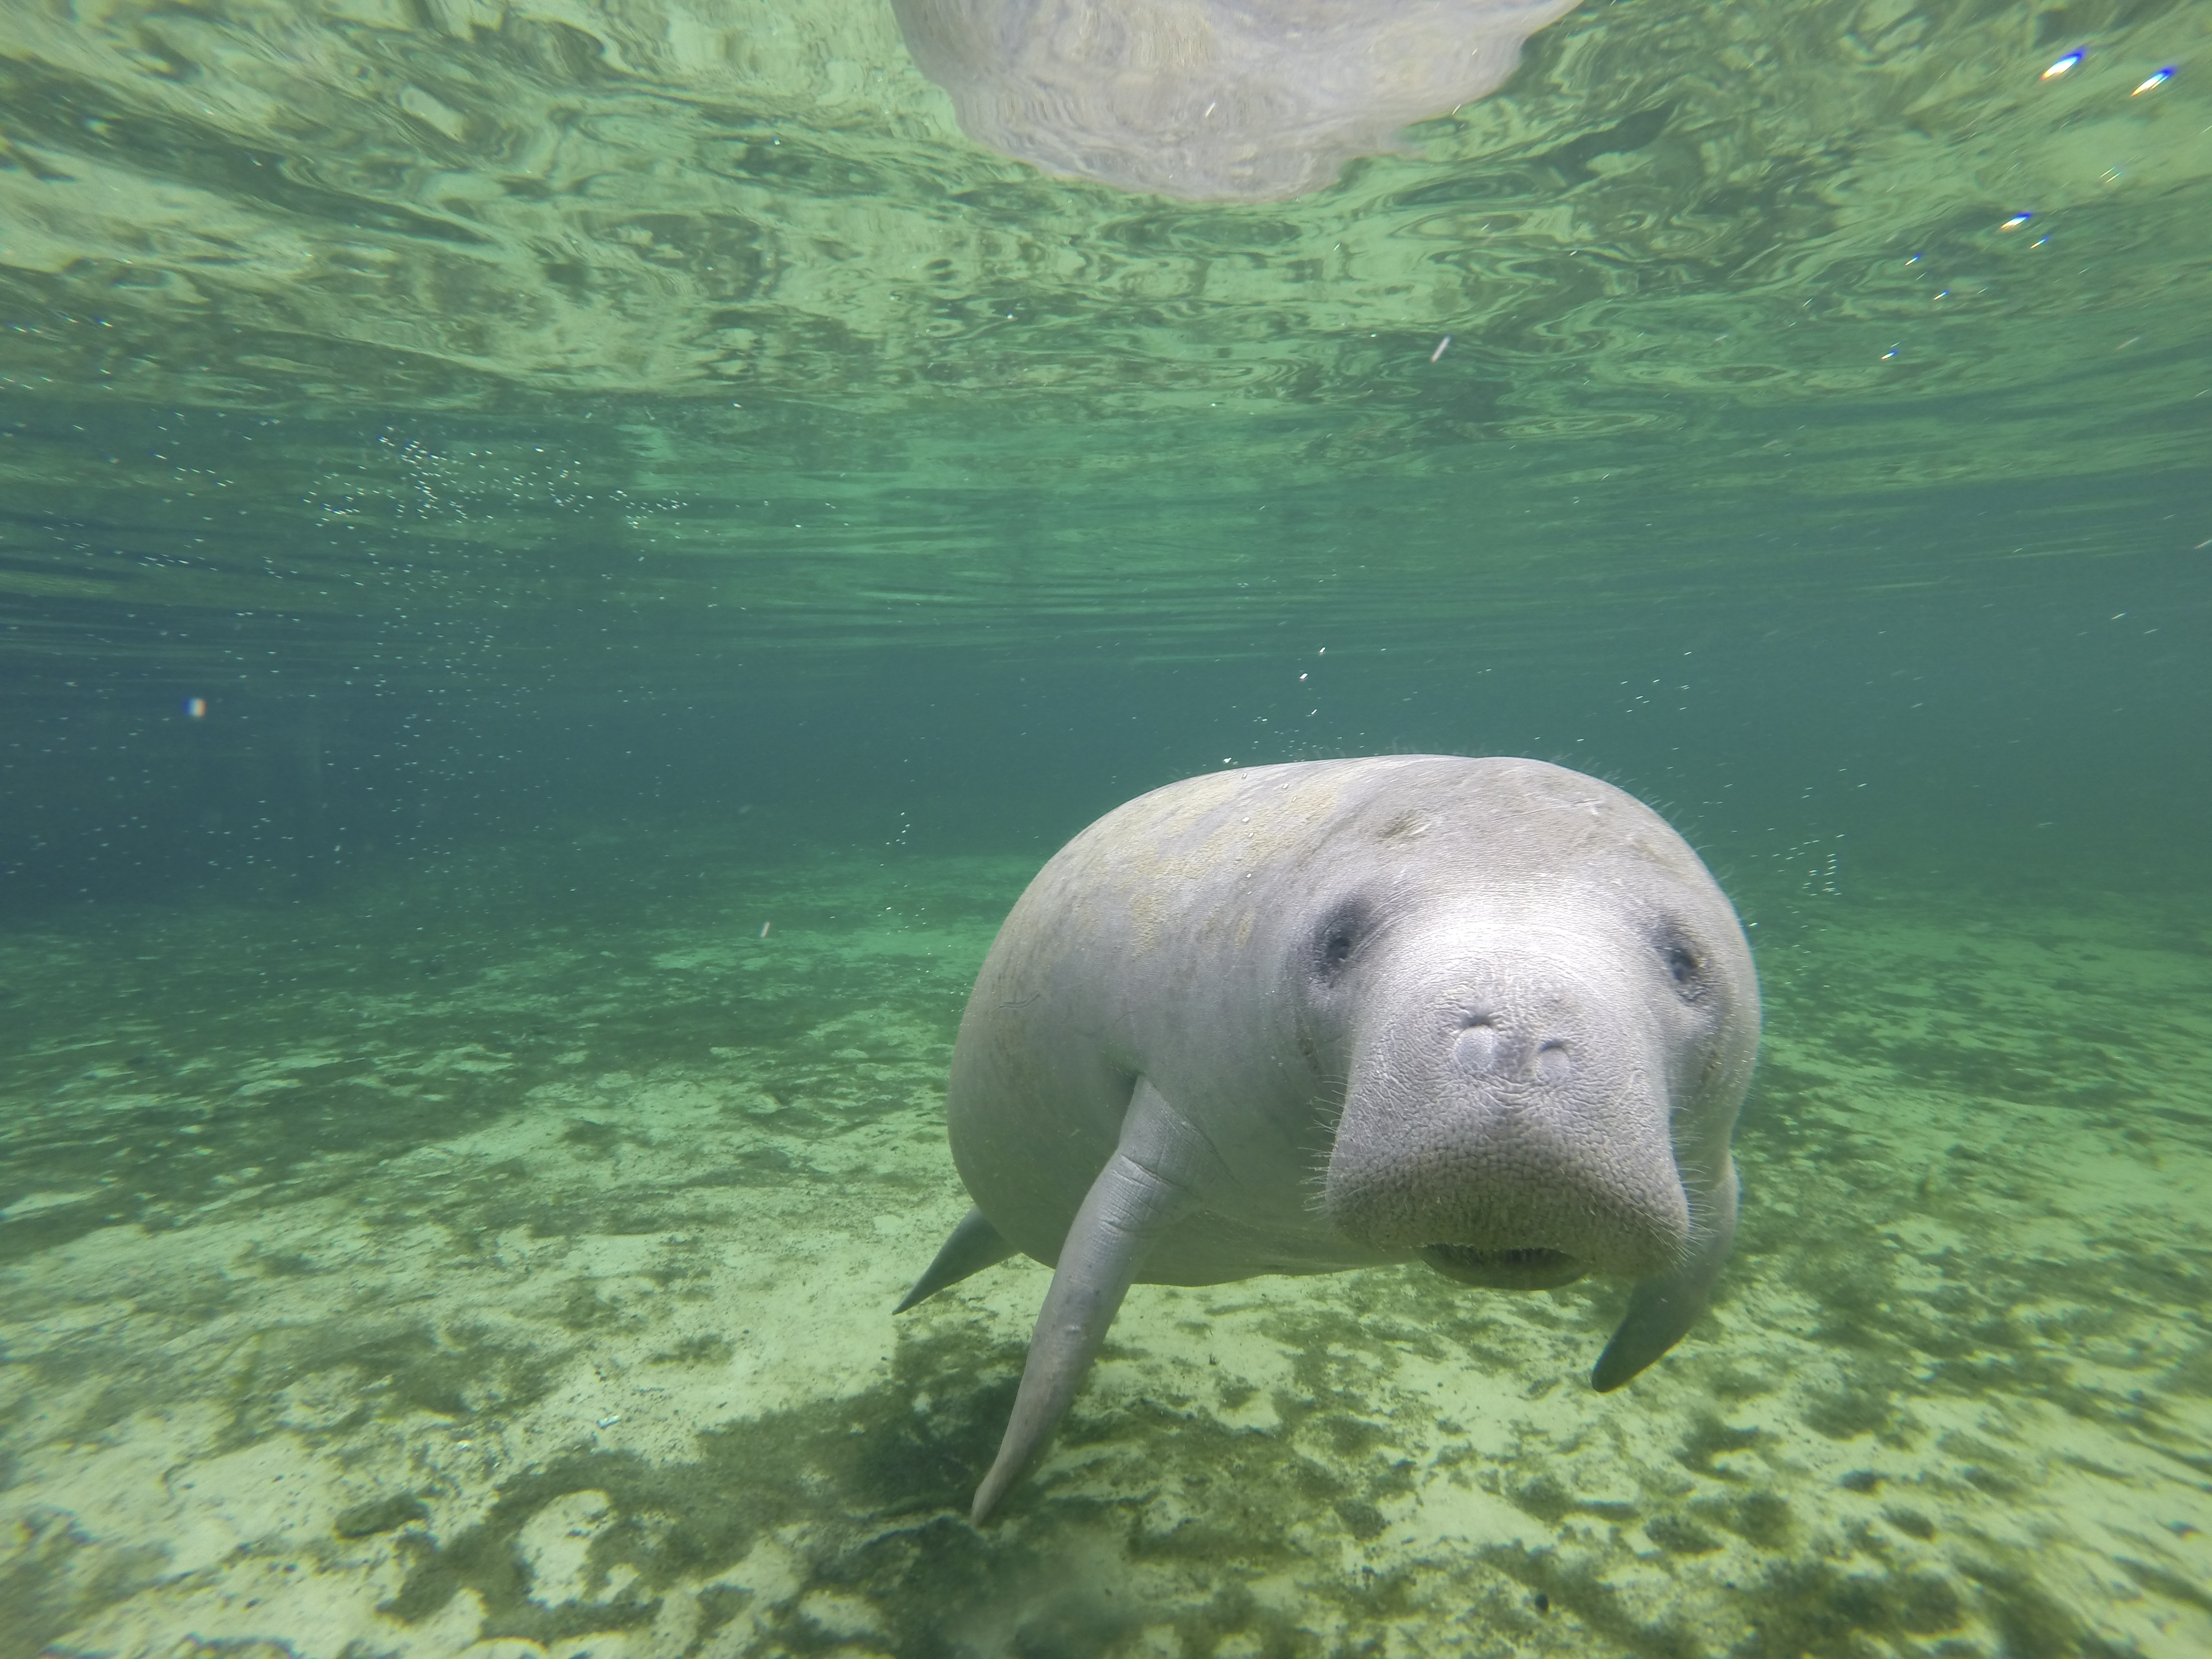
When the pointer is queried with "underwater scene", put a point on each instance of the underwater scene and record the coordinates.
(564, 565)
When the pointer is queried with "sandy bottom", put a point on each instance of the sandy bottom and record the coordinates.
(487, 1265)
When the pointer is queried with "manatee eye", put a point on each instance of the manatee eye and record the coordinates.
(1685, 967)
(1337, 941)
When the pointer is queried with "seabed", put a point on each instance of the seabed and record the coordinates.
(492, 1263)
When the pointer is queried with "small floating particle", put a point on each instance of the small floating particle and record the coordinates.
(764, 927)
(1441, 346)
(608, 1422)
(2155, 81)
(2064, 64)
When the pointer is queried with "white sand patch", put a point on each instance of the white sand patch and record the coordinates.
(556, 1543)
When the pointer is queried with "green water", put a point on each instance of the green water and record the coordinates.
(561, 565)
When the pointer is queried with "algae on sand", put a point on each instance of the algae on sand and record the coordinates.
(546, 1300)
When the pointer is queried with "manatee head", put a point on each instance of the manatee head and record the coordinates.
(1545, 1013)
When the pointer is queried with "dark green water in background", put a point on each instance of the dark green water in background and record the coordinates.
(600, 464)
(484, 412)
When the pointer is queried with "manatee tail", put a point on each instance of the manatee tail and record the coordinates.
(975, 1245)
(1661, 1311)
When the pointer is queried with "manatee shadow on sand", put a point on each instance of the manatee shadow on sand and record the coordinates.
(1212, 100)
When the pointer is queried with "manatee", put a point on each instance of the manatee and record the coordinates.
(1490, 1015)
(1211, 101)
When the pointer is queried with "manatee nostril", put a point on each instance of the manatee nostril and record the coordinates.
(1477, 1047)
(1554, 1062)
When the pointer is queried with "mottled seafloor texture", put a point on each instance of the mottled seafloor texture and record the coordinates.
(408, 1271)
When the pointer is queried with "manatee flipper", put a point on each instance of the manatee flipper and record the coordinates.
(1150, 1179)
(1661, 1311)
(973, 1245)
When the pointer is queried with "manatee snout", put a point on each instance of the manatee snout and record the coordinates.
(1516, 1135)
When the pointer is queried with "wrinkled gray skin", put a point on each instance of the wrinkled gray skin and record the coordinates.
(1489, 1014)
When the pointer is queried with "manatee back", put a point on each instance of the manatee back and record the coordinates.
(1108, 939)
